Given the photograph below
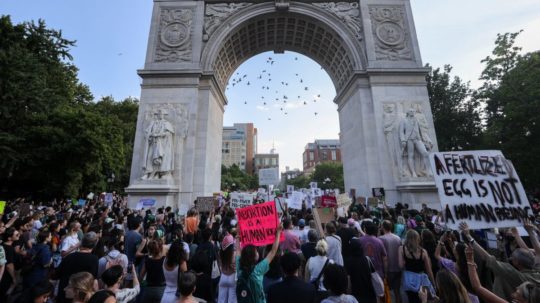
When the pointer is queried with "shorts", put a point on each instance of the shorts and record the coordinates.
(394, 280)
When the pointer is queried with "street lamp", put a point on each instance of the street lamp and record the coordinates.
(110, 180)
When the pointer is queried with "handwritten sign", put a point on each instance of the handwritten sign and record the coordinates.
(2, 207)
(290, 189)
(269, 176)
(258, 224)
(481, 188)
(149, 203)
(239, 200)
(328, 201)
(295, 201)
(206, 204)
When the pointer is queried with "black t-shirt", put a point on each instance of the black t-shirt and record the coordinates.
(74, 263)
(10, 258)
(346, 234)
(154, 271)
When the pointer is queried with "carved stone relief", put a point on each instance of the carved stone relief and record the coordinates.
(407, 135)
(174, 35)
(348, 12)
(165, 125)
(390, 30)
(215, 14)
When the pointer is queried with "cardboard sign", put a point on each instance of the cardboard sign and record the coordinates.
(2, 207)
(295, 200)
(481, 188)
(372, 202)
(145, 203)
(257, 224)
(206, 204)
(239, 200)
(328, 201)
(325, 214)
(269, 176)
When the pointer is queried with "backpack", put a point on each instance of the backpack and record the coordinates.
(247, 288)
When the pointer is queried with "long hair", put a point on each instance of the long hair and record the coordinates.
(451, 290)
(155, 247)
(412, 241)
(248, 257)
(82, 284)
(226, 257)
(176, 254)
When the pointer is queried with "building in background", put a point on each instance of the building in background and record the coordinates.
(266, 160)
(289, 174)
(320, 151)
(239, 146)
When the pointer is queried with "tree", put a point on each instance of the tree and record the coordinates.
(233, 178)
(54, 141)
(511, 94)
(455, 114)
(329, 175)
(301, 181)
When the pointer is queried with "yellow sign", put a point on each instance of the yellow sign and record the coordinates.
(2, 207)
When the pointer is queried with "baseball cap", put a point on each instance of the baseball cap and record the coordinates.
(301, 222)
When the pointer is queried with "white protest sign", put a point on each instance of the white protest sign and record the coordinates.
(295, 201)
(290, 189)
(280, 204)
(269, 176)
(261, 190)
(312, 185)
(480, 187)
(108, 199)
(239, 200)
(147, 202)
(316, 192)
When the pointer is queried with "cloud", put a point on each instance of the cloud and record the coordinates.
(262, 108)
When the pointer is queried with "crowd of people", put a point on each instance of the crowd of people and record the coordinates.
(61, 252)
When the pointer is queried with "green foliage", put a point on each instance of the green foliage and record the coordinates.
(455, 114)
(233, 178)
(329, 175)
(54, 141)
(301, 181)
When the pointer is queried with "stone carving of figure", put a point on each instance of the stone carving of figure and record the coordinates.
(390, 127)
(415, 144)
(158, 152)
(349, 13)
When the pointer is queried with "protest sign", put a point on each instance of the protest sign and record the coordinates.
(206, 204)
(281, 206)
(321, 217)
(108, 198)
(361, 201)
(269, 176)
(295, 201)
(81, 202)
(344, 201)
(328, 201)
(316, 192)
(290, 189)
(239, 200)
(372, 202)
(377, 192)
(312, 185)
(2, 207)
(480, 188)
(257, 224)
(145, 203)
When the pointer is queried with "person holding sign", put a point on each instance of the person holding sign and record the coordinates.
(249, 286)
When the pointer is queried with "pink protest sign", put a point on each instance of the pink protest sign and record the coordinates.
(258, 224)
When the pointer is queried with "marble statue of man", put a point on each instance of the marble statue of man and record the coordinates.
(415, 143)
(391, 125)
(158, 153)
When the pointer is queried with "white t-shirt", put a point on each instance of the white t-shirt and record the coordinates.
(69, 242)
(334, 249)
(315, 265)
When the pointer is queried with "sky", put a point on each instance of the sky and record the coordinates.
(111, 40)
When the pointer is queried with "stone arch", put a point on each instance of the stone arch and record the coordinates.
(371, 54)
(304, 29)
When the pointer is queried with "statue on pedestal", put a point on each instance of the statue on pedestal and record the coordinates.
(158, 152)
(415, 144)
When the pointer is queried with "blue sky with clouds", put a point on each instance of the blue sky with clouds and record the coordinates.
(111, 45)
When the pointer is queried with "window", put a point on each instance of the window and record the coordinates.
(274, 162)
(304, 156)
(324, 155)
(311, 156)
(334, 157)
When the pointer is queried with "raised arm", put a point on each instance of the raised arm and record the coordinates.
(518, 238)
(533, 234)
(437, 253)
(467, 234)
(275, 246)
(482, 292)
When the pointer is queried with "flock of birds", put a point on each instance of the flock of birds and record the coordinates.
(268, 85)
